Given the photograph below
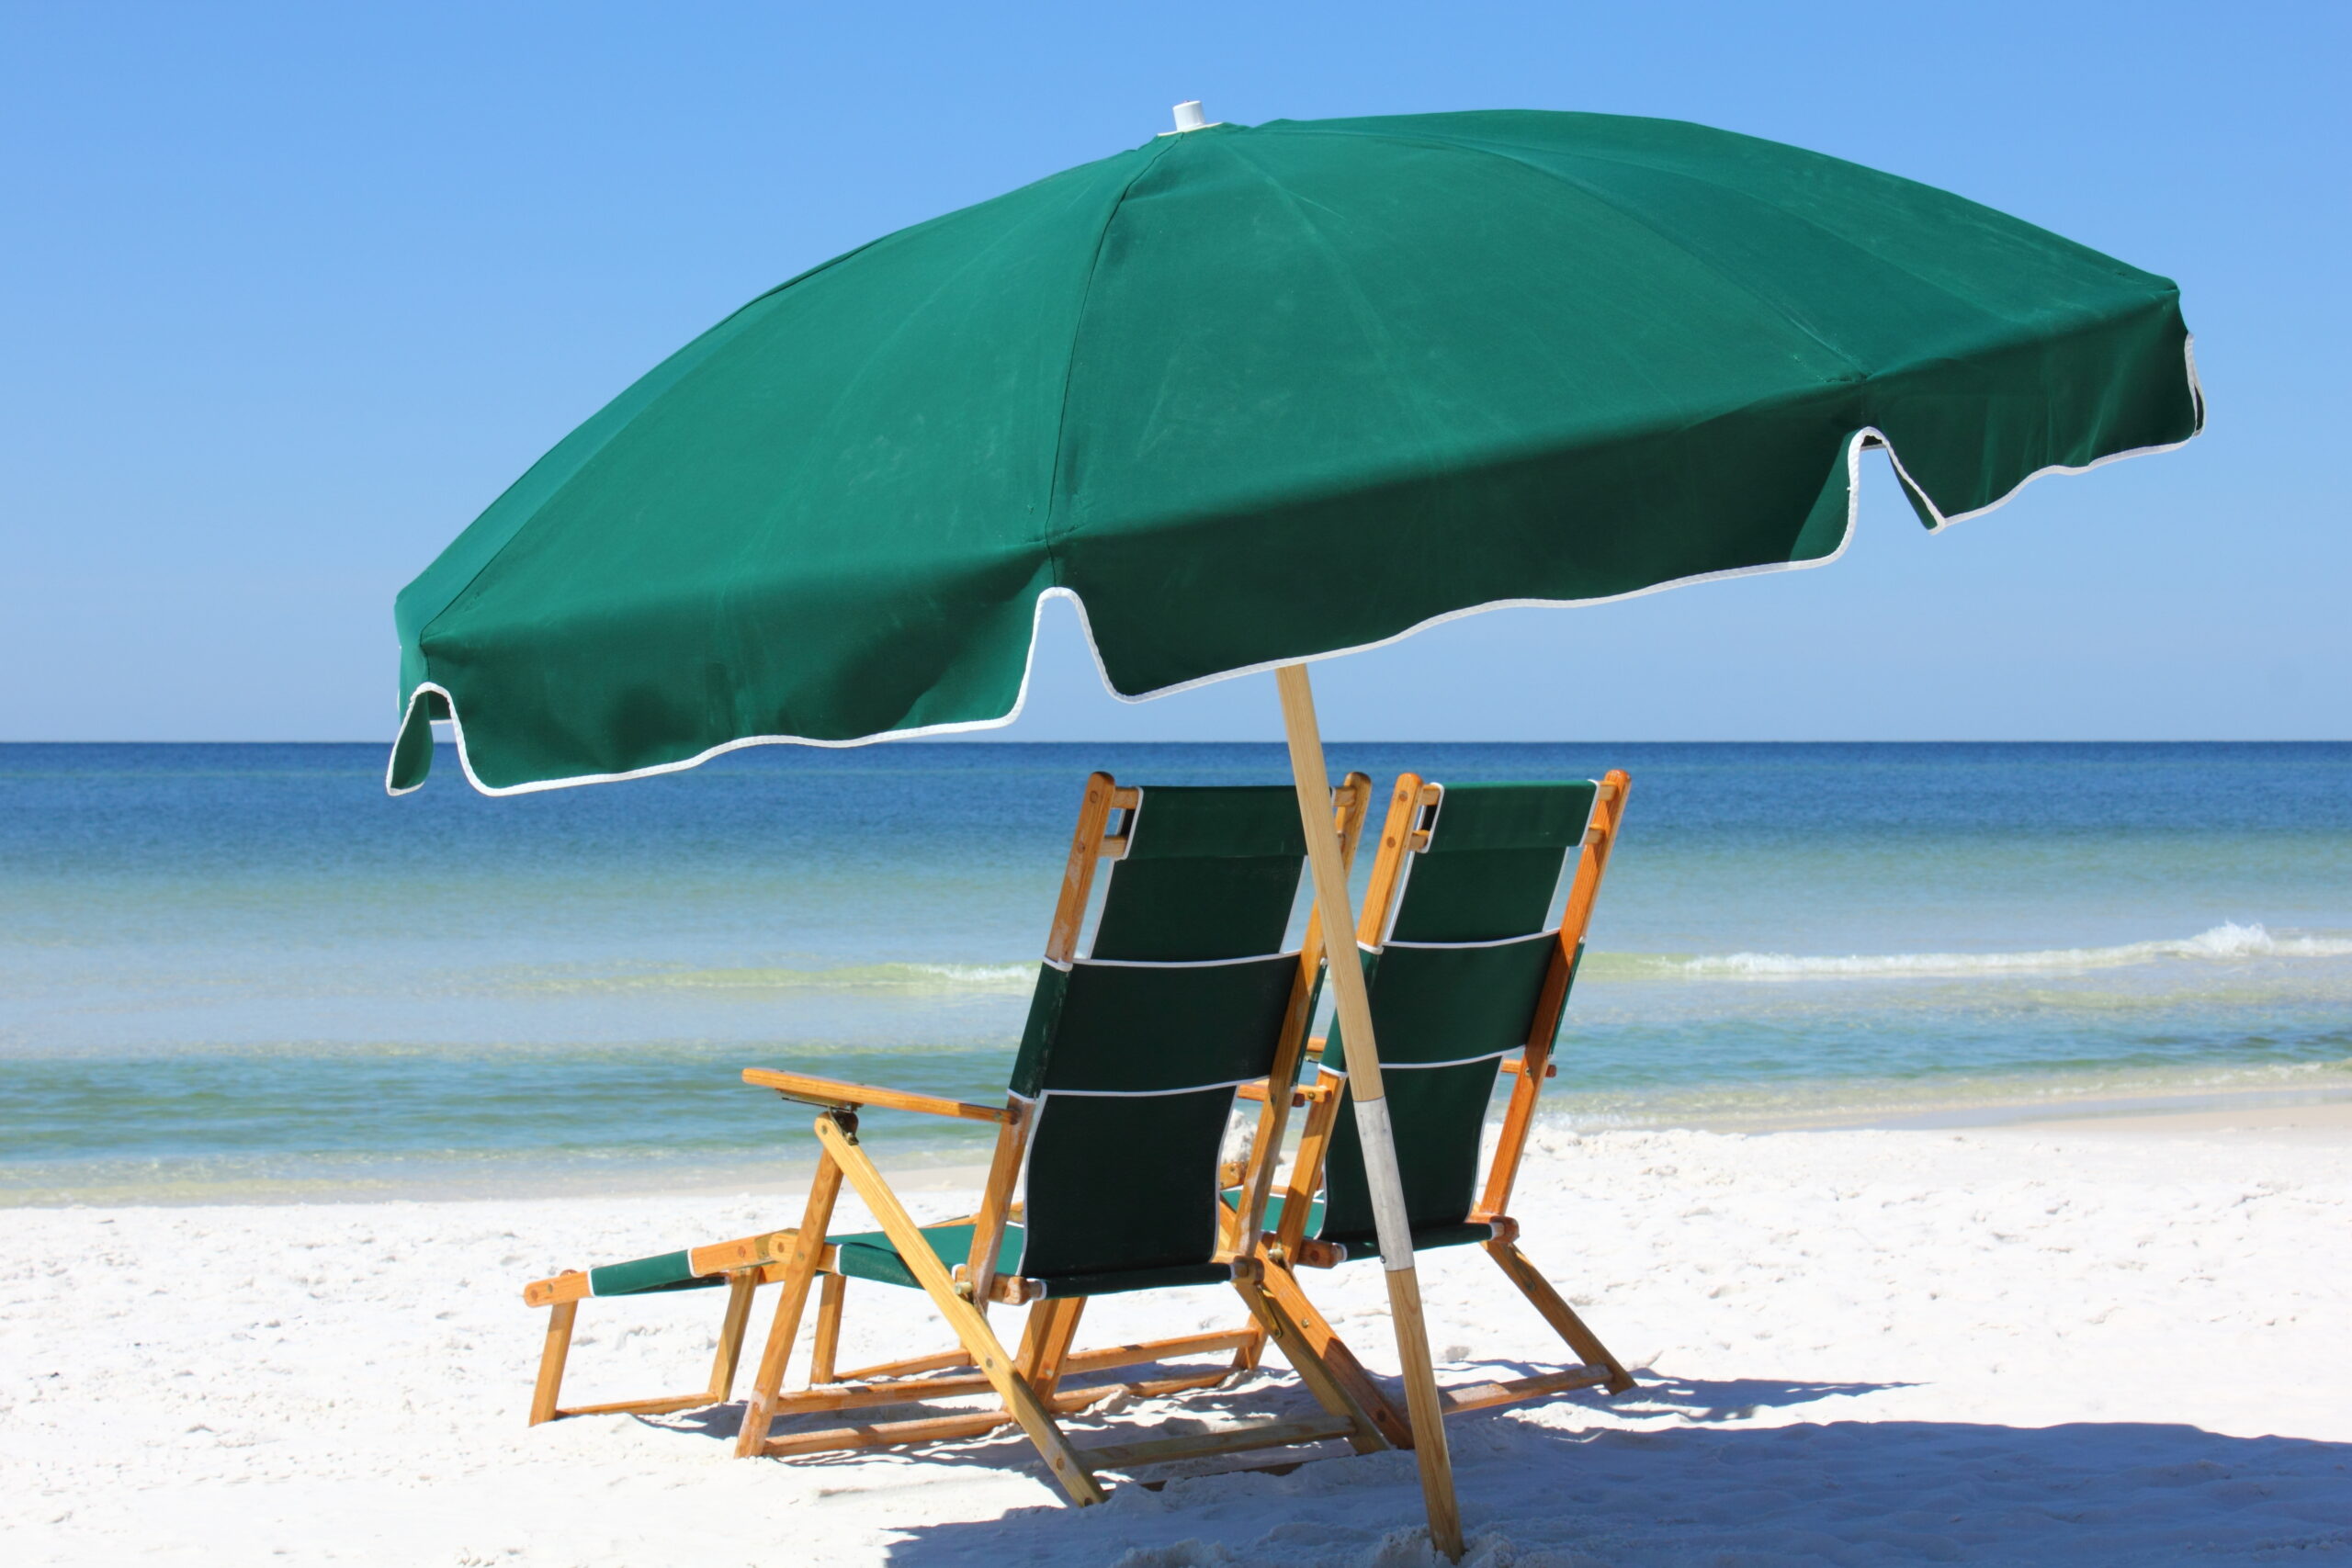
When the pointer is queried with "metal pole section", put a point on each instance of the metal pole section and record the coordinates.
(1355, 1007)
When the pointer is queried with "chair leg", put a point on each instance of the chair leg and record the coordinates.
(552, 1359)
(1281, 1286)
(800, 1267)
(1322, 1380)
(1558, 1313)
(822, 1355)
(987, 1353)
(740, 1287)
(1044, 1344)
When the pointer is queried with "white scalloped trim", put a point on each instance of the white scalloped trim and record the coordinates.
(1868, 436)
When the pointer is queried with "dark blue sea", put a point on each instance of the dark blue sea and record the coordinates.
(242, 972)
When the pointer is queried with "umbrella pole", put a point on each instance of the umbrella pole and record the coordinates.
(1354, 1009)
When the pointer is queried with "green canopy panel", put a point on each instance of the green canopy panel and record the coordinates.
(1251, 395)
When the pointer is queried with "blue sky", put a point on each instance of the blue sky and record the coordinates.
(289, 292)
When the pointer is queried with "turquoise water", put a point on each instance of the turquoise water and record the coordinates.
(242, 971)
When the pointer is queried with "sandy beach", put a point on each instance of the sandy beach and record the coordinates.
(2095, 1342)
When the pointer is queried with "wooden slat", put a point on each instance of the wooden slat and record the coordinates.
(1045, 1353)
(1281, 1288)
(774, 1273)
(662, 1407)
(552, 1359)
(572, 1285)
(1483, 1396)
(1388, 861)
(940, 1428)
(828, 1344)
(1094, 809)
(1145, 1350)
(833, 1092)
(996, 1199)
(962, 1316)
(1239, 1227)
(885, 1434)
(1306, 1164)
(896, 1391)
(1558, 1312)
(743, 1252)
(1335, 1396)
(798, 1270)
(937, 1361)
(740, 1287)
(1218, 1441)
(1519, 1117)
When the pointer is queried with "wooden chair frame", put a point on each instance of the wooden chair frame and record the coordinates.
(1286, 1248)
(1027, 1384)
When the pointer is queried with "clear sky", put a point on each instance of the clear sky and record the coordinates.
(287, 293)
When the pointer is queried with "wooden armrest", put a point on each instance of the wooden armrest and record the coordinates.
(834, 1094)
(1515, 1065)
(1257, 1091)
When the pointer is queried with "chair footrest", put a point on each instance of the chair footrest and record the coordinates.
(1219, 1441)
(1479, 1396)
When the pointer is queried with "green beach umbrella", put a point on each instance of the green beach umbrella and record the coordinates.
(1251, 396)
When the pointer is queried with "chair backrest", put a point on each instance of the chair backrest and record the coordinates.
(1464, 968)
(1133, 1051)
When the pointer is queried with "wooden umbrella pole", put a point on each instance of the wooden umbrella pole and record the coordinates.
(1354, 1009)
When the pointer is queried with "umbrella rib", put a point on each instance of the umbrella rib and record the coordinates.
(1504, 154)
(1050, 539)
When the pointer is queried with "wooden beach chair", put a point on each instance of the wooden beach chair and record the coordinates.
(1467, 984)
(1120, 1097)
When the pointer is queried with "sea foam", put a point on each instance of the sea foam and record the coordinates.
(2224, 941)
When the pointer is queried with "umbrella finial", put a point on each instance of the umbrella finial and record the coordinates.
(1188, 117)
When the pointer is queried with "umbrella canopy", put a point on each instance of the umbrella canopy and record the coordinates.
(1252, 395)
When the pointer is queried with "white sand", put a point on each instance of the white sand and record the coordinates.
(2024, 1345)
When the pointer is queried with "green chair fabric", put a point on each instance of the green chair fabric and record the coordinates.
(870, 1255)
(1133, 1053)
(1424, 1236)
(1455, 988)
(644, 1276)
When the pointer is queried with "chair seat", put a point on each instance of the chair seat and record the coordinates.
(870, 1255)
(1425, 1237)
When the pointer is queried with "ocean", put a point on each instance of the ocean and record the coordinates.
(241, 972)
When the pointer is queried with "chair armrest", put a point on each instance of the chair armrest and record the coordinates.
(834, 1094)
(1257, 1091)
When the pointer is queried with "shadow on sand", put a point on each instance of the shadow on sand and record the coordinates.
(1693, 1480)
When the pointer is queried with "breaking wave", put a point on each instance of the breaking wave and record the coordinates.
(942, 978)
(2224, 941)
